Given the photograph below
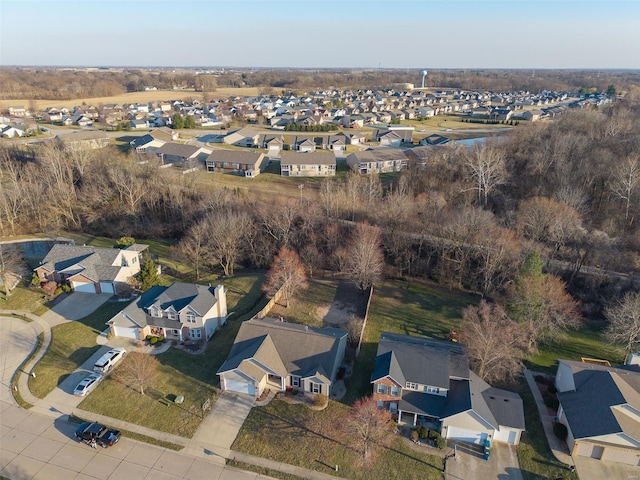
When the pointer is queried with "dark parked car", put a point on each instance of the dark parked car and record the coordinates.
(103, 436)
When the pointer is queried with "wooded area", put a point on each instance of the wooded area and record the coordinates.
(466, 217)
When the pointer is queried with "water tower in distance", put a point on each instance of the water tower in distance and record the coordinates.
(424, 75)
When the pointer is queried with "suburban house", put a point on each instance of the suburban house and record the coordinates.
(273, 143)
(315, 164)
(91, 269)
(146, 143)
(182, 155)
(272, 354)
(245, 137)
(248, 164)
(379, 160)
(424, 381)
(600, 406)
(84, 140)
(302, 143)
(182, 311)
(434, 139)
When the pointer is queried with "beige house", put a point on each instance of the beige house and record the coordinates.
(183, 311)
(600, 406)
(272, 354)
(91, 269)
(313, 164)
(244, 163)
(379, 160)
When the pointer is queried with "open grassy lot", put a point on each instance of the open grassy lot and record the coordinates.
(182, 373)
(71, 345)
(297, 435)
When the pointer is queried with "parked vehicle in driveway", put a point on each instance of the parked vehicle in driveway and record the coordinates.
(87, 385)
(89, 433)
(107, 361)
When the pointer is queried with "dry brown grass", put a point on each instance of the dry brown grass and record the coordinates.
(139, 97)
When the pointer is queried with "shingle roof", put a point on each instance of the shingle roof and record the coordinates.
(379, 155)
(234, 156)
(426, 361)
(591, 408)
(300, 350)
(180, 295)
(177, 150)
(95, 263)
(311, 158)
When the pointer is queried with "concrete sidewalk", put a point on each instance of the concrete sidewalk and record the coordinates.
(547, 420)
(212, 441)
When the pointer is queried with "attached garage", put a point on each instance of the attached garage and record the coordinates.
(622, 455)
(83, 287)
(464, 435)
(590, 450)
(506, 435)
(236, 383)
(127, 332)
(106, 287)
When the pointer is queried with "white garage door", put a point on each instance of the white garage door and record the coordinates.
(464, 435)
(106, 287)
(506, 435)
(83, 287)
(239, 386)
(127, 332)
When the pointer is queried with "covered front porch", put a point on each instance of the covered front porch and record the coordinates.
(417, 409)
(414, 420)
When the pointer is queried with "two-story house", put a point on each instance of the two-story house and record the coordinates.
(314, 164)
(424, 381)
(379, 160)
(240, 162)
(91, 269)
(182, 311)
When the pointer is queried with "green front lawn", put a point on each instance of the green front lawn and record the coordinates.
(297, 435)
(25, 299)
(181, 373)
(72, 344)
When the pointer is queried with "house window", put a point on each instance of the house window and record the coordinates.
(195, 333)
(295, 381)
(171, 315)
(380, 405)
(134, 260)
(429, 389)
(412, 386)
(315, 388)
(381, 389)
(393, 407)
(175, 332)
(191, 318)
(395, 391)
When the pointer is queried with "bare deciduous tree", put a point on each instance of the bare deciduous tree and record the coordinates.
(193, 247)
(138, 370)
(367, 426)
(12, 267)
(624, 322)
(625, 182)
(286, 275)
(226, 233)
(365, 261)
(486, 165)
(494, 341)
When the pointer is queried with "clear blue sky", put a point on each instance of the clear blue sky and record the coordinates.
(322, 33)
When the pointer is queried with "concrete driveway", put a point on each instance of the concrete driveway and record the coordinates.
(17, 340)
(502, 464)
(76, 306)
(592, 469)
(221, 426)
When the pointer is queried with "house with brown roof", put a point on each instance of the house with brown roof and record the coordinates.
(248, 164)
(181, 155)
(313, 164)
(378, 160)
(272, 354)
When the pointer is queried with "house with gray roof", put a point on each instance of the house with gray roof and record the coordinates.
(600, 406)
(91, 269)
(181, 155)
(272, 354)
(182, 311)
(428, 381)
